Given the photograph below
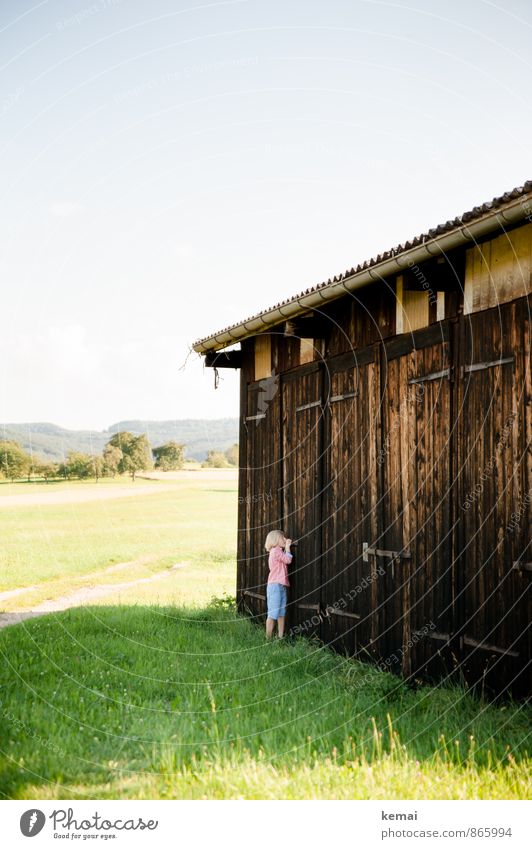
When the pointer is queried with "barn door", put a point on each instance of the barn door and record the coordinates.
(349, 582)
(495, 428)
(415, 535)
(302, 417)
(262, 497)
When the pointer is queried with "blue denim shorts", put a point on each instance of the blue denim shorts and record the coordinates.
(276, 595)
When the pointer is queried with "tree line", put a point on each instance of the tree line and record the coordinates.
(123, 454)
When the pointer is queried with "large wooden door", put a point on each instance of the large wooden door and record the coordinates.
(349, 582)
(494, 543)
(262, 502)
(302, 418)
(415, 594)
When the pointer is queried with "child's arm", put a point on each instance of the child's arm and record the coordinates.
(287, 555)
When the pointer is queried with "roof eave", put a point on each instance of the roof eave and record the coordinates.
(463, 234)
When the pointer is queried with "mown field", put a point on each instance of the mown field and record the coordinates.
(158, 691)
(56, 548)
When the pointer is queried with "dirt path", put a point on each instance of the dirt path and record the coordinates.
(78, 495)
(102, 492)
(117, 567)
(192, 475)
(78, 598)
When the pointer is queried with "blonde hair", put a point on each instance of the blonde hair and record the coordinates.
(274, 538)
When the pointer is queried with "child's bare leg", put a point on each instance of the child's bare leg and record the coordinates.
(280, 626)
(269, 627)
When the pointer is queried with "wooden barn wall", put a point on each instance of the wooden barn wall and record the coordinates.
(360, 319)
(285, 352)
(494, 398)
(405, 473)
(355, 321)
(302, 395)
(260, 500)
(415, 590)
(498, 270)
(350, 498)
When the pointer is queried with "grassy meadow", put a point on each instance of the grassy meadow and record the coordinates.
(55, 548)
(161, 690)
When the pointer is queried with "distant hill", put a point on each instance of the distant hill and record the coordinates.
(52, 442)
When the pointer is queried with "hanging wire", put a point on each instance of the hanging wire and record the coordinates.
(189, 354)
(216, 378)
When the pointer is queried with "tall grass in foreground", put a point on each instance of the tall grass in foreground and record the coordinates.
(165, 702)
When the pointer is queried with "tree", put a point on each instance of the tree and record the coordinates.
(14, 462)
(215, 460)
(169, 456)
(111, 459)
(231, 454)
(78, 465)
(62, 470)
(48, 471)
(97, 467)
(136, 452)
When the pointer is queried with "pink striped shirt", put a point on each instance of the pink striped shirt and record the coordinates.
(278, 561)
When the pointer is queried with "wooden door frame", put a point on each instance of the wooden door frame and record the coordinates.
(393, 349)
(291, 376)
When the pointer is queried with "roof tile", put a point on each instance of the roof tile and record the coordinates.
(465, 218)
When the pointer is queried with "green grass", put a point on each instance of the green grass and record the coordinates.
(155, 693)
(166, 702)
(55, 546)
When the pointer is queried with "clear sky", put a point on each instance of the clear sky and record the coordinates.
(169, 168)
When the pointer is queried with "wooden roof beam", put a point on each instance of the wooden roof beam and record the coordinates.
(223, 359)
(313, 327)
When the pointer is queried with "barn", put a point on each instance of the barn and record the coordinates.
(386, 425)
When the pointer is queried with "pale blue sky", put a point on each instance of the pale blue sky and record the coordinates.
(170, 168)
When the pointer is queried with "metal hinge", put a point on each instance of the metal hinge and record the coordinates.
(333, 611)
(254, 595)
(481, 366)
(469, 641)
(520, 566)
(435, 635)
(383, 552)
(309, 406)
(435, 375)
(344, 397)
